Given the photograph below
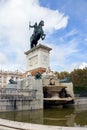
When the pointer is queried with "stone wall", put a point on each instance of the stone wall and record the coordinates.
(10, 105)
(81, 101)
(27, 94)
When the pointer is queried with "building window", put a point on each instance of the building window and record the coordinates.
(4, 79)
(0, 79)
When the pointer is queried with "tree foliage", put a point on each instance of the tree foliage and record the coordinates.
(77, 76)
(62, 75)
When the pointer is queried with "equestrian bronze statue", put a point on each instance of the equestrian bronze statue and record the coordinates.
(37, 34)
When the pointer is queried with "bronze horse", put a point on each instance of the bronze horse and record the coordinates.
(37, 34)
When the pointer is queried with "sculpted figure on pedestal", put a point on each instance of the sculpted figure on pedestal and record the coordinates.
(37, 34)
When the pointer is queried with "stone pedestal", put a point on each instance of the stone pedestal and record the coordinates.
(38, 59)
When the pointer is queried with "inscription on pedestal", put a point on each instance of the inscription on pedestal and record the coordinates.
(45, 60)
(38, 57)
(33, 60)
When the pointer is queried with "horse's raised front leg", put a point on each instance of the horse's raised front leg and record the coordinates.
(43, 36)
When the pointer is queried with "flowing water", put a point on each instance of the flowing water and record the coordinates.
(54, 116)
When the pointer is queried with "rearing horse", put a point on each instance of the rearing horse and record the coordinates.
(38, 33)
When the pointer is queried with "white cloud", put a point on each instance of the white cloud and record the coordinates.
(82, 65)
(14, 18)
(61, 55)
(3, 59)
(85, 41)
(71, 33)
(11, 67)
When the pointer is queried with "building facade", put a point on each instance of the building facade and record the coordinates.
(6, 75)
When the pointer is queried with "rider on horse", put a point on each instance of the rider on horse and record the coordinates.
(37, 34)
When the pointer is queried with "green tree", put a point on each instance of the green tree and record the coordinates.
(62, 75)
(79, 77)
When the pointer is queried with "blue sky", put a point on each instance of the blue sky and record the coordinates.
(65, 28)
